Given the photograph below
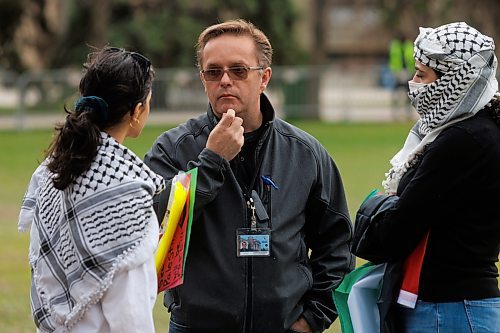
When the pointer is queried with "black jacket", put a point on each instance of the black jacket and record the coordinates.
(307, 214)
(454, 192)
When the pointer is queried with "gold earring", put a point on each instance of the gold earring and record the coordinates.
(135, 121)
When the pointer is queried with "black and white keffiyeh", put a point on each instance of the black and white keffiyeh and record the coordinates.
(81, 237)
(467, 60)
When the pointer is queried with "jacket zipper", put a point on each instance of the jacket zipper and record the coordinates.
(249, 301)
(253, 223)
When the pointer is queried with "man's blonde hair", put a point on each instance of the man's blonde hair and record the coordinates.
(239, 28)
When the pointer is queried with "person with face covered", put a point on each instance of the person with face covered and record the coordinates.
(439, 217)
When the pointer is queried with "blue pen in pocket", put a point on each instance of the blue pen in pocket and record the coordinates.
(269, 181)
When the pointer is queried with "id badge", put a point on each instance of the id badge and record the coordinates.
(253, 242)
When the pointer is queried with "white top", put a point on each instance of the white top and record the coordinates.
(92, 246)
(124, 308)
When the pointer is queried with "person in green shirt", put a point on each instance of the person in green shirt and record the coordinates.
(402, 67)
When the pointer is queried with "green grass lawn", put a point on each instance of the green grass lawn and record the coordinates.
(361, 152)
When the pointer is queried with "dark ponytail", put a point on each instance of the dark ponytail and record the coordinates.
(76, 142)
(114, 82)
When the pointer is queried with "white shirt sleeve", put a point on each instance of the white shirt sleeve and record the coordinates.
(28, 205)
(128, 303)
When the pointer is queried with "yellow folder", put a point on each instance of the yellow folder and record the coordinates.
(171, 219)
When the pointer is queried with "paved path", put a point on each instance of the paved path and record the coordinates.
(337, 103)
(49, 120)
(332, 114)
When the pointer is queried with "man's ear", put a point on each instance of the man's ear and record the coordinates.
(266, 77)
(203, 81)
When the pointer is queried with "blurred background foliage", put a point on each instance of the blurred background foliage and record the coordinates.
(55, 33)
(42, 34)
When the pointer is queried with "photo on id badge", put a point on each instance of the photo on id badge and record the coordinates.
(253, 242)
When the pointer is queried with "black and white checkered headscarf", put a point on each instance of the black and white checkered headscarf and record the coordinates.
(467, 60)
(468, 63)
(81, 237)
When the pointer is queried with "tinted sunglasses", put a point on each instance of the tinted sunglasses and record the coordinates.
(235, 73)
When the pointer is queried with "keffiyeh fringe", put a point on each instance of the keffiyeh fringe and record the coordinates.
(126, 259)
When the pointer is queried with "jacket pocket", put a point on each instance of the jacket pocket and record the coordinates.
(303, 263)
(266, 201)
(307, 275)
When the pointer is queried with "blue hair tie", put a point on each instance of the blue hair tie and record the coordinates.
(93, 104)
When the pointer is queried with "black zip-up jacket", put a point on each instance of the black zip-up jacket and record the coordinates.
(307, 213)
(453, 192)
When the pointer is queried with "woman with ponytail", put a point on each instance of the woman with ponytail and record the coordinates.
(88, 207)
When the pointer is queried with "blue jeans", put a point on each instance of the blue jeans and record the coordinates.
(479, 316)
(173, 327)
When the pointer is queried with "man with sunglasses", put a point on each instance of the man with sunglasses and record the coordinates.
(271, 231)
